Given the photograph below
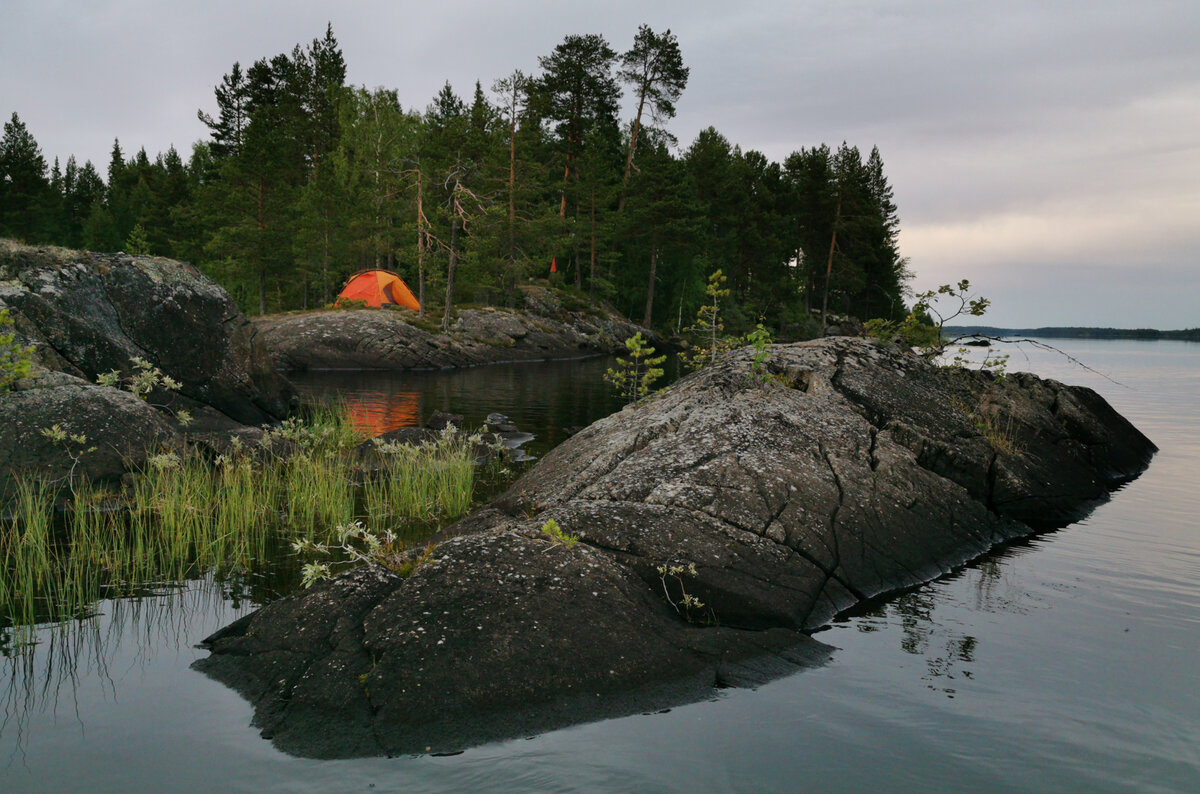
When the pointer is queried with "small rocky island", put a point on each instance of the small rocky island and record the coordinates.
(717, 524)
(396, 339)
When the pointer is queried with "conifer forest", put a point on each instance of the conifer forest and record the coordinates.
(304, 180)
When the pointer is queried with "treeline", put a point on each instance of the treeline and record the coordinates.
(305, 180)
(1074, 332)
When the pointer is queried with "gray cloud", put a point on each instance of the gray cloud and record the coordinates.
(1024, 139)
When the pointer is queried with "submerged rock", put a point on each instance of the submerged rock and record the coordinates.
(717, 524)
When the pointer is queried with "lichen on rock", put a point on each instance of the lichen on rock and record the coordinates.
(719, 523)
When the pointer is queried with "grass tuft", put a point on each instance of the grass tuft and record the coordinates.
(183, 516)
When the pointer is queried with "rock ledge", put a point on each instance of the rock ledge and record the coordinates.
(850, 472)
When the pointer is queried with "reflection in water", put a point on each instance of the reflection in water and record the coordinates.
(377, 412)
(922, 630)
(1080, 645)
(550, 399)
(120, 635)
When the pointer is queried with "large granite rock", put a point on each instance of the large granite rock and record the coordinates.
(392, 338)
(776, 502)
(119, 429)
(86, 313)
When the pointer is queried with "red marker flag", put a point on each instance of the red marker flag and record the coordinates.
(553, 264)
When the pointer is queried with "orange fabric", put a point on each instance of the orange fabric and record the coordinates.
(378, 287)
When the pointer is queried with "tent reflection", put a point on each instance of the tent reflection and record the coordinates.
(376, 412)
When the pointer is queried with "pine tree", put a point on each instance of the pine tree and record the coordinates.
(661, 214)
(578, 94)
(654, 68)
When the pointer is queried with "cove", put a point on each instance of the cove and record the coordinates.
(1053, 693)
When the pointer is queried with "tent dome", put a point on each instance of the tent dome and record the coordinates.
(379, 288)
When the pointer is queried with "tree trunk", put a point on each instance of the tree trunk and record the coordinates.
(421, 244)
(325, 262)
(562, 209)
(637, 126)
(650, 287)
(510, 285)
(261, 220)
(450, 271)
(592, 261)
(837, 218)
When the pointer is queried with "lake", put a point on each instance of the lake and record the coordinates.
(1067, 662)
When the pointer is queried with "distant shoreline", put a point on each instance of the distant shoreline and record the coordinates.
(1076, 332)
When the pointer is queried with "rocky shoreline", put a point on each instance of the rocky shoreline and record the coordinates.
(86, 314)
(394, 339)
(701, 535)
(718, 524)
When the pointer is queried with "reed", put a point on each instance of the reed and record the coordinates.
(183, 517)
(423, 482)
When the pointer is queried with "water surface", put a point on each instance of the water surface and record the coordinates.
(1063, 663)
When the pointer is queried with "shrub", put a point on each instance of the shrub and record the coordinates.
(14, 357)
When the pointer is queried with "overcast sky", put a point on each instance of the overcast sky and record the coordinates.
(1048, 151)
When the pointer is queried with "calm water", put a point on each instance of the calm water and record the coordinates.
(1065, 663)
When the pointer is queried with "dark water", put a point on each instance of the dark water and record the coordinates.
(1065, 663)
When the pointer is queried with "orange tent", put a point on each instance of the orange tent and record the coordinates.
(379, 287)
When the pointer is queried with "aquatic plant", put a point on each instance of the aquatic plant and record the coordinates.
(424, 481)
(182, 515)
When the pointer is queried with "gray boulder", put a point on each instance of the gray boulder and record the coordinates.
(86, 314)
(394, 339)
(119, 429)
(718, 524)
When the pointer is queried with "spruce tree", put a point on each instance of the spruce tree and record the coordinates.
(23, 182)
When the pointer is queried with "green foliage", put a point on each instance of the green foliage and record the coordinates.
(923, 328)
(354, 540)
(993, 362)
(427, 480)
(913, 331)
(760, 338)
(15, 359)
(932, 309)
(137, 243)
(182, 514)
(304, 180)
(671, 574)
(73, 445)
(24, 188)
(635, 376)
(142, 382)
(552, 530)
(710, 326)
